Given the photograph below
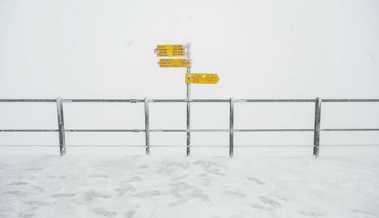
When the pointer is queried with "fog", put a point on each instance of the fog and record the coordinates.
(260, 49)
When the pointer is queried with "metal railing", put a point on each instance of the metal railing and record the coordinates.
(231, 130)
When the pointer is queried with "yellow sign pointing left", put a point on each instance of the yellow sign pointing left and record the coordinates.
(174, 63)
(202, 78)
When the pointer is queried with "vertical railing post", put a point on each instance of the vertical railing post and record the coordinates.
(61, 133)
(147, 127)
(316, 131)
(231, 127)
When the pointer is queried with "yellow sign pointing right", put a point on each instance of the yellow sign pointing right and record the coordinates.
(202, 78)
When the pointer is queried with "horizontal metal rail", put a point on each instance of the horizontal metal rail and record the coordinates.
(104, 130)
(275, 100)
(191, 130)
(89, 100)
(28, 100)
(28, 130)
(350, 130)
(202, 146)
(104, 100)
(349, 100)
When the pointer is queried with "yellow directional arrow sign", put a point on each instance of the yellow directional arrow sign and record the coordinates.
(170, 50)
(174, 63)
(202, 78)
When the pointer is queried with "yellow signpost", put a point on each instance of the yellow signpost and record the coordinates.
(201, 78)
(174, 50)
(179, 56)
(174, 63)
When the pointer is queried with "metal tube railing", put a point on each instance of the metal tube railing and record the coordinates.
(231, 130)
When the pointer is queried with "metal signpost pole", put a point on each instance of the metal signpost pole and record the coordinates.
(188, 103)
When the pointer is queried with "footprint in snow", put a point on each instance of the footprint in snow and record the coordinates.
(260, 207)
(18, 183)
(255, 180)
(311, 213)
(25, 215)
(103, 212)
(16, 193)
(98, 176)
(63, 195)
(144, 166)
(124, 189)
(184, 192)
(134, 179)
(37, 203)
(40, 189)
(236, 194)
(366, 213)
(270, 202)
(171, 168)
(33, 169)
(130, 214)
(148, 194)
(92, 195)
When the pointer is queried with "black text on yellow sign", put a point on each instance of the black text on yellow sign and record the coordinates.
(170, 50)
(201, 78)
(174, 63)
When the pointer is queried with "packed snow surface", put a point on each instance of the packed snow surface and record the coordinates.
(101, 184)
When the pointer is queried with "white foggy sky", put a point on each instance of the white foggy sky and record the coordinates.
(260, 49)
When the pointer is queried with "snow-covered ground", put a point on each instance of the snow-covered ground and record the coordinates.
(114, 183)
